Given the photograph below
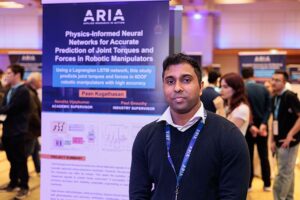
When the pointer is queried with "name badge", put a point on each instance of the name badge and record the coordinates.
(275, 127)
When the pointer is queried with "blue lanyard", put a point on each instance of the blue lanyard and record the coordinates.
(186, 155)
(277, 103)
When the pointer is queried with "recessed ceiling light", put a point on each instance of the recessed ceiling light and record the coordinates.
(197, 16)
(10, 4)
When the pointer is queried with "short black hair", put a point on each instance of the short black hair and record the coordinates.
(247, 72)
(282, 72)
(213, 76)
(17, 69)
(182, 58)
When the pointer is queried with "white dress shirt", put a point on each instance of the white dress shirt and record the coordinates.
(166, 116)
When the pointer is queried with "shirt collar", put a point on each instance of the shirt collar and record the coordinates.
(200, 114)
(250, 81)
(17, 85)
(211, 85)
(281, 93)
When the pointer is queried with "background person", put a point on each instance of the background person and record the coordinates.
(3, 87)
(257, 132)
(286, 135)
(268, 86)
(210, 97)
(34, 130)
(35, 81)
(16, 107)
(236, 104)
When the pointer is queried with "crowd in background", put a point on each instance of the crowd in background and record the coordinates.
(248, 104)
(261, 111)
(20, 112)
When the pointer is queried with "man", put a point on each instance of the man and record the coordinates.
(16, 107)
(34, 129)
(188, 153)
(257, 132)
(286, 135)
(2, 87)
(34, 83)
(210, 97)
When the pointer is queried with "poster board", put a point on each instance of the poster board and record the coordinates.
(101, 83)
(264, 63)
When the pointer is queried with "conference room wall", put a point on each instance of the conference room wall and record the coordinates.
(20, 29)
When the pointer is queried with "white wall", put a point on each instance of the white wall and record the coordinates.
(261, 25)
(197, 36)
(20, 28)
(296, 89)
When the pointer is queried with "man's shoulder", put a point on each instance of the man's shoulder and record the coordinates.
(223, 131)
(256, 86)
(217, 122)
(289, 97)
(290, 94)
(211, 91)
(150, 131)
(214, 116)
(23, 88)
(152, 126)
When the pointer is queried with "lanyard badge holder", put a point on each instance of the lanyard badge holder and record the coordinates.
(275, 121)
(186, 155)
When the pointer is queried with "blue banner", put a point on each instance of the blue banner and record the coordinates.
(294, 71)
(105, 58)
(264, 65)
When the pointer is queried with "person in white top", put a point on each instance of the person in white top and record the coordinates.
(35, 81)
(236, 103)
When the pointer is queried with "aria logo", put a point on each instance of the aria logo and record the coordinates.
(101, 16)
(262, 59)
(28, 58)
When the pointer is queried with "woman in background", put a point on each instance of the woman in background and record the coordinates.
(268, 86)
(236, 104)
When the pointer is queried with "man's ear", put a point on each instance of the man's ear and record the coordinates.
(201, 88)
(18, 75)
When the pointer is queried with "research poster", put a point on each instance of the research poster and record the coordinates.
(102, 66)
(263, 63)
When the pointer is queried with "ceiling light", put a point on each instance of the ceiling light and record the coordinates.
(197, 16)
(273, 51)
(234, 1)
(10, 4)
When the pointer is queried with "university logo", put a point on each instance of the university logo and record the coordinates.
(58, 127)
(101, 16)
(262, 59)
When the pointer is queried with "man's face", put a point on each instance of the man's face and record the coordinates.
(181, 88)
(278, 83)
(10, 77)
